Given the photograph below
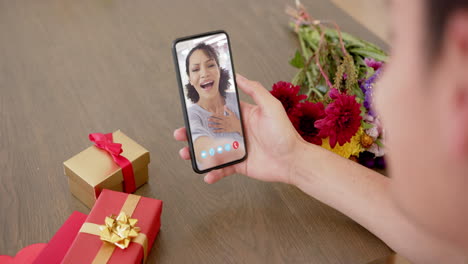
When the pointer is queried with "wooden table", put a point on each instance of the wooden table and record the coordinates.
(373, 14)
(68, 68)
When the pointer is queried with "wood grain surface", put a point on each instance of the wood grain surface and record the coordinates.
(373, 14)
(69, 68)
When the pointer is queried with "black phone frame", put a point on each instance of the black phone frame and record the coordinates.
(184, 107)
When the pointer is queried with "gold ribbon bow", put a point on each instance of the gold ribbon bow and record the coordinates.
(119, 230)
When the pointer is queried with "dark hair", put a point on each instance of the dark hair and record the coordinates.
(437, 15)
(223, 78)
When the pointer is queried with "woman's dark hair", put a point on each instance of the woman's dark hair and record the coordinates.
(223, 78)
(437, 15)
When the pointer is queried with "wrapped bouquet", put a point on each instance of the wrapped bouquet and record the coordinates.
(329, 100)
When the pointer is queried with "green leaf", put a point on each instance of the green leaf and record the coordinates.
(359, 61)
(379, 143)
(299, 78)
(363, 111)
(369, 53)
(366, 125)
(370, 72)
(297, 61)
(356, 90)
(352, 41)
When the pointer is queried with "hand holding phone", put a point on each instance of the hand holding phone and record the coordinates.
(273, 143)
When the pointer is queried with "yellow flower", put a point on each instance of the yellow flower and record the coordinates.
(349, 149)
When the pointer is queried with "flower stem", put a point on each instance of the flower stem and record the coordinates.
(305, 54)
(317, 61)
(310, 80)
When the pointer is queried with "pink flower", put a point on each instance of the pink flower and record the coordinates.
(373, 63)
(342, 119)
(287, 93)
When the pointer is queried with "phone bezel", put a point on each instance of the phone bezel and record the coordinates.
(184, 107)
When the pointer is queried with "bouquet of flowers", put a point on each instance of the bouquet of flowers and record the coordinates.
(329, 100)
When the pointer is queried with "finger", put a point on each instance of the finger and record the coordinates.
(216, 175)
(218, 116)
(228, 110)
(215, 120)
(245, 106)
(219, 130)
(216, 125)
(180, 134)
(259, 94)
(184, 153)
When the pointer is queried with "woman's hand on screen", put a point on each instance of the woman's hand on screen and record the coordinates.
(225, 123)
(272, 141)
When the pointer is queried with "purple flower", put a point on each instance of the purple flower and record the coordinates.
(367, 88)
(369, 160)
(380, 163)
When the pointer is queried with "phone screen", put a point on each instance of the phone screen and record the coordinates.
(210, 100)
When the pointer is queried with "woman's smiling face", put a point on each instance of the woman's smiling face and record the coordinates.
(204, 74)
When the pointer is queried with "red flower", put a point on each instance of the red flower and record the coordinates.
(303, 118)
(342, 119)
(287, 93)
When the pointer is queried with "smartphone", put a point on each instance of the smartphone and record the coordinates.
(210, 100)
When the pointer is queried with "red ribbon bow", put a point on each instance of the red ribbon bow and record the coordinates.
(106, 142)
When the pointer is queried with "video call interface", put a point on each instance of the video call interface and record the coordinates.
(211, 100)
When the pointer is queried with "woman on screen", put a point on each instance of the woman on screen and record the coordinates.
(214, 116)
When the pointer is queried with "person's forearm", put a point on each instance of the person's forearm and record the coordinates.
(364, 195)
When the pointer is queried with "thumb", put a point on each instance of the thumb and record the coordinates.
(228, 110)
(259, 94)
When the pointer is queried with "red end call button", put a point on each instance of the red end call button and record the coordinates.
(235, 145)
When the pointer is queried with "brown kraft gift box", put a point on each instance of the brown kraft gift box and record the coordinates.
(94, 169)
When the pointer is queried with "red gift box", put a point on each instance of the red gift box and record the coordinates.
(25, 256)
(58, 246)
(88, 246)
(55, 250)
